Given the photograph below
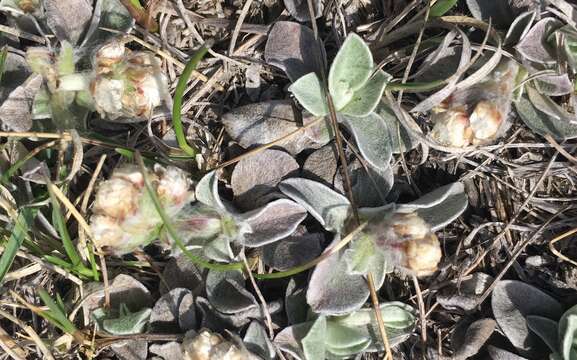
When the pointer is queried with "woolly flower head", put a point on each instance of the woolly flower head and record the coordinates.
(211, 346)
(124, 217)
(476, 115)
(127, 84)
(408, 242)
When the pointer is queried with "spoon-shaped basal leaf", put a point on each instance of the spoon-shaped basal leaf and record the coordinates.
(545, 105)
(309, 92)
(350, 70)
(345, 341)
(546, 329)
(313, 343)
(206, 191)
(568, 333)
(365, 99)
(127, 323)
(373, 139)
(273, 222)
(330, 208)
(542, 123)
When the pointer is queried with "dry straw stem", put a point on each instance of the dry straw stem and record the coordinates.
(29, 330)
(516, 254)
(10, 346)
(556, 240)
(514, 218)
(422, 312)
(80, 219)
(379, 316)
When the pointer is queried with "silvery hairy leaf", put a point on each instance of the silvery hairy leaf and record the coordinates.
(257, 124)
(328, 207)
(512, 301)
(350, 70)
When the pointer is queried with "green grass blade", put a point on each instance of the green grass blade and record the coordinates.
(62, 229)
(58, 262)
(177, 104)
(3, 56)
(23, 222)
(93, 265)
(441, 7)
(56, 314)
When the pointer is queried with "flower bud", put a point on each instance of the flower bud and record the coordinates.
(28, 6)
(210, 346)
(127, 84)
(476, 115)
(485, 121)
(116, 198)
(108, 55)
(124, 215)
(422, 255)
(452, 128)
(408, 242)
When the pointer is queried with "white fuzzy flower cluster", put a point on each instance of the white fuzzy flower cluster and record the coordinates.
(477, 115)
(210, 346)
(408, 242)
(124, 217)
(127, 84)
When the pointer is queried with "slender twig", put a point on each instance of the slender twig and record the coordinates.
(559, 238)
(422, 312)
(264, 307)
(379, 316)
(29, 330)
(516, 254)
(514, 217)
